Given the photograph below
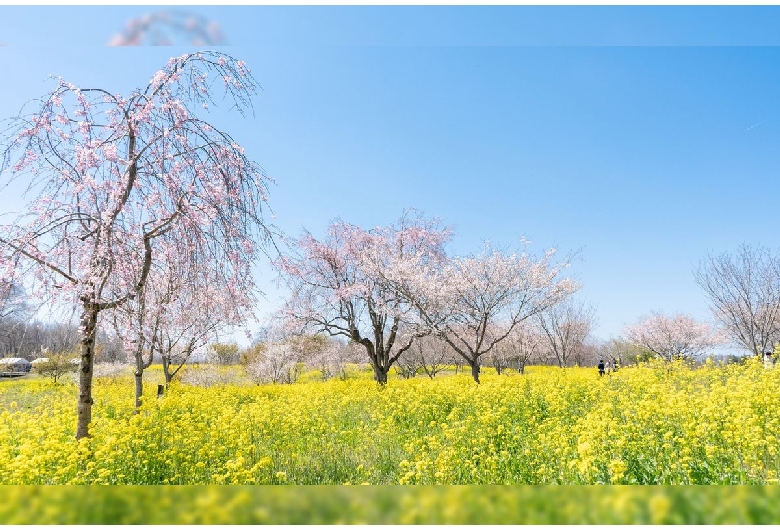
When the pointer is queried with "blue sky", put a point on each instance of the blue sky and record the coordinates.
(644, 136)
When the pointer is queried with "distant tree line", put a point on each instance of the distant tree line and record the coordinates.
(23, 335)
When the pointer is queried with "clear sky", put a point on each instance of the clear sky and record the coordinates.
(644, 136)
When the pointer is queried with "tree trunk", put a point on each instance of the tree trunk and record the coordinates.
(89, 326)
(166, 363)
(139, 380)
(380, 375)
(380, 372)
(475, 370)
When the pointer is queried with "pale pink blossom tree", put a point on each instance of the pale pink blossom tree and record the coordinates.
(181, 308)
(433, 353)
(409, 363)
(277, 363)
(744, 294)
(676, 337)
(332, 357)
(113, 178)
(565, 328)
(523, 345)
(474, 302)
(337, 286)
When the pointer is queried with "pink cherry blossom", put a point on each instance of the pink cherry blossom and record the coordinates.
(139, 181)
(474, 302)
(339, 287)
(678, 336)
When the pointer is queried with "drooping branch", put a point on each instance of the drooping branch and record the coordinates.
(125, 184)
(39, 260)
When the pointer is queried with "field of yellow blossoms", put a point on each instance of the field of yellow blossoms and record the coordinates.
(655, 424)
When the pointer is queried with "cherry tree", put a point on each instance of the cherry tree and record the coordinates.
(435, 355)
(113, 178)
(474, 302)
(409, 362)
(429, 354)
(326, 354)
(523, 344)
(565, 328)
(623, 351)
(280, 357)
(675, 337)
(744, 294)
(179, 311)
(277, 363)
(337, 286)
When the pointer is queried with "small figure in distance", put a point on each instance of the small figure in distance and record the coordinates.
(601, 367)
(615, 364)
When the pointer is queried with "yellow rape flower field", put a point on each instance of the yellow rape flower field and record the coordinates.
(655, 424)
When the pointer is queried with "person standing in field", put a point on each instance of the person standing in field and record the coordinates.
(768, 361)
(601, 367)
